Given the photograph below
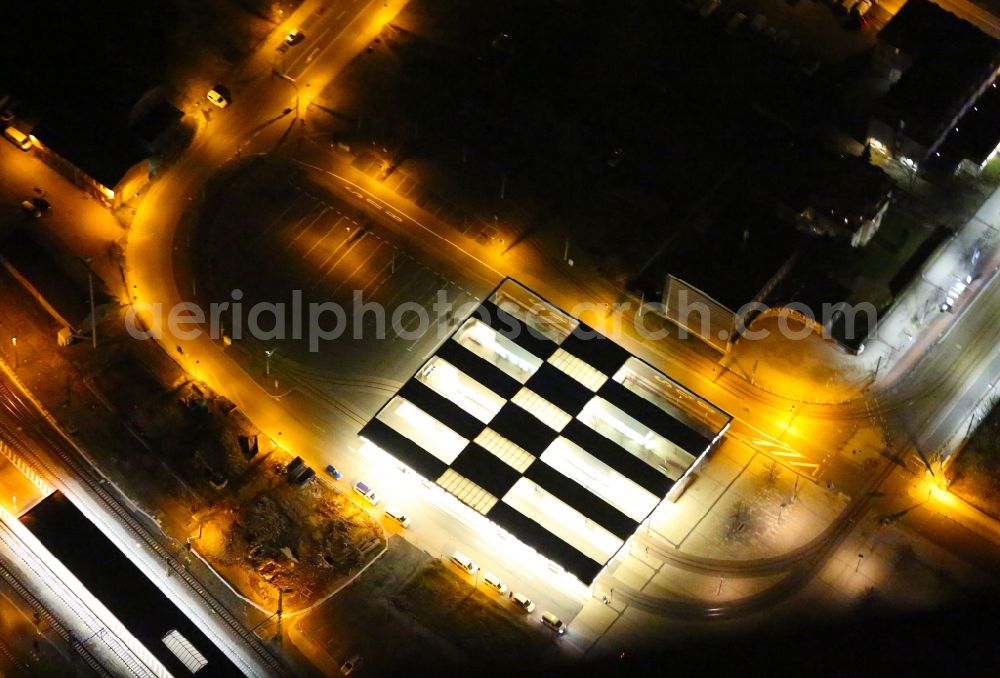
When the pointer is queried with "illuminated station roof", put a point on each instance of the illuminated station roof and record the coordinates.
(551, 430)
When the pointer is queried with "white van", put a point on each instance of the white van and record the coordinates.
(18, 138)
(464, 562)
(494, 582)
(553, 622)
(366, 492)
(397, 515)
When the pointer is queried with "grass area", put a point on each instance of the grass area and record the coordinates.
(991, 173)
(870, 269)
(975, 473)
(436, 623)
(473, 619)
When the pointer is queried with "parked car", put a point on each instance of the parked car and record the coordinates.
(35, 207)
(366, 492)
(397, 515)
(349, 665)
(18, 138)
(553, 622)
(334, 473)
(523, 602)
(294, 37)
(492, 581)
(464, 562)
(216, 96)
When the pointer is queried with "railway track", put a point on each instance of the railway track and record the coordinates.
(29, 418)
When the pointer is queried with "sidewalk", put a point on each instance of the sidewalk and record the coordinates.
(916, 322)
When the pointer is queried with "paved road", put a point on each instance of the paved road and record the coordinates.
(262, 117)
(149, 256)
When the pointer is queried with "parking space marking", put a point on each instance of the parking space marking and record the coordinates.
(356, 238)
(305, 228)
(347, 235)
(398, 260)
(320, 240)
(407, 282)
(350, 276)
(280, 219)
(425, 292)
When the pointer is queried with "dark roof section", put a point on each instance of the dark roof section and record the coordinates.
(920, 23)
(678, 433)
(404, 449)
(546, 543)
(595, 349)
(442, 409)
(618, 458)
(560, 389)
(98, 61)
(485, 470)
(155, 121)
(846, 190)
(487, 374)
(105, 152)
(951, 58)
(520, 333)
(523, 428)
(978, 133)
(580, 498)
(126, 590)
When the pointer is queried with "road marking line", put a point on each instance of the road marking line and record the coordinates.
(320, 240)
(306, 228)
(354, 243)
(428, 230)
(361, 265)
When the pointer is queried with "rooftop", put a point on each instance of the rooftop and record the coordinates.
(77, 92)
(978, 134)
(547, 428)
(951, 57)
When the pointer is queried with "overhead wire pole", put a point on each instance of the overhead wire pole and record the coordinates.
(93, 315)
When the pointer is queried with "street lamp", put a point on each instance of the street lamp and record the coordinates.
(13, 340)
(267, 361)
(861, 557)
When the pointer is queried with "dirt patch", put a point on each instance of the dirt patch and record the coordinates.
(274, 535)
(975, 473)
(258, 529)
(437, 622)
(473, 619)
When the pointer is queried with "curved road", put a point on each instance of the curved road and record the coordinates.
(936, 394)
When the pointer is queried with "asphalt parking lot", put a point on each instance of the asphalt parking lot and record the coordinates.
(269, 241)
